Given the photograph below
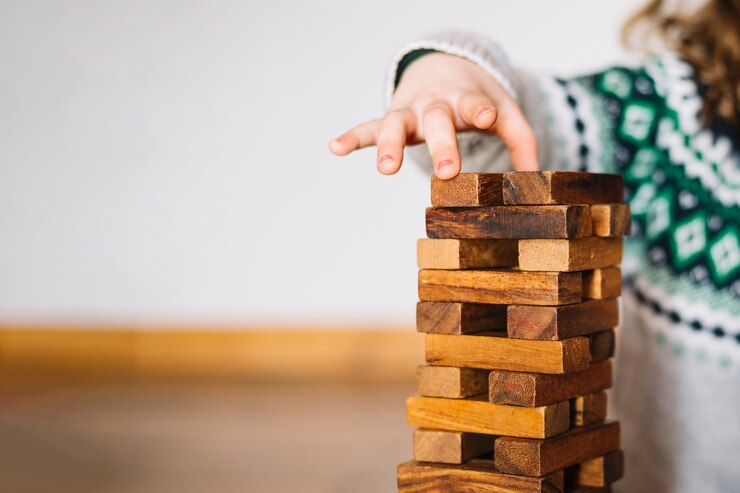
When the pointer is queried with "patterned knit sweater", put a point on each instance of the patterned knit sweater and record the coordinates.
(677, 385)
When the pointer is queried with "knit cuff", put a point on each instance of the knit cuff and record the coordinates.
(477, 49)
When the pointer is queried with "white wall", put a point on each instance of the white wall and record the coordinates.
(166, 160)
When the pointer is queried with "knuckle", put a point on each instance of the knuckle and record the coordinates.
(437, 110)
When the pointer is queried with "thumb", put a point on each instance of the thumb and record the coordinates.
(517, 134)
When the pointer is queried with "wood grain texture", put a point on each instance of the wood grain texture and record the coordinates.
(597, 472)
(536, 389)
(561, 322)
(478, 475)
(459, 318)
(513, 222)
(601, 345)
(569, 255)
(588, 409)
(450, 447)
(561, 187)
(602, 283)
(477, 415)
(465, 254)
(500, 286)
(611, 219)
(449, 381)
(468, 190)
(533, 457)
(496, 352)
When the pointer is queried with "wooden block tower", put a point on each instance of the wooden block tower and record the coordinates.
(518, 288)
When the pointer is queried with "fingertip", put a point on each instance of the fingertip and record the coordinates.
(485, 117)
(387, 165)
(447, 169)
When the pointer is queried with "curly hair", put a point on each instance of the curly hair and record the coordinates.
(708, 39)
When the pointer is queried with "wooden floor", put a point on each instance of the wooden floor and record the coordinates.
(203, 438)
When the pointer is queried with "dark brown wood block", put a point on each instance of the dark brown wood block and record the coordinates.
(597, 472)
(477, 475)
(477, 415)
(459, 318)
(569, 255)
(466, 254)
(561, 187)
(500, 286)
(450, 381)
(509, 222)
(450, 447)
(588, 409)
(561, 322)
(536, 389)
(493, 351)
(536, 457)
(602, 283)
(611, 219)
(468, 190)
(601, 345)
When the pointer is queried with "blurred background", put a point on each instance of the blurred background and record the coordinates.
(194, 293)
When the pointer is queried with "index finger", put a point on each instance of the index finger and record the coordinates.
(363, 135)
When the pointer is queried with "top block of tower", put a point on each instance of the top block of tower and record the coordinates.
(527, 188)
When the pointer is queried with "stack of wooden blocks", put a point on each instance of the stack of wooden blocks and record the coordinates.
(519, 287)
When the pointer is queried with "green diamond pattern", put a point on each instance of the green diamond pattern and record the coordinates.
(643, 164)
(689, 239)
(638, 120)
(659, 214)
(724, 255)
(617, 83)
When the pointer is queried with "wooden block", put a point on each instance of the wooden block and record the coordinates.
(477, 475)
(532, 457)
(597, 472)
(477, 415)
(450, 447)
(465, 254)
(496, 352)
(569, 255)
(561, 187)
(561, 322)
(588, 409)
(550, 221)
(459, 318)
(602, 283)
(601, 345)
(611, 219)
(468, 190)
(535, 389)
(449, 381)
(500, 286)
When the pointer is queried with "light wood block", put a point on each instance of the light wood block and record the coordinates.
(601, 345)
(561, 322)
(588, 409)
(477, 415)
(468, 190)
(569, 255)
(597, 472)
(449, 381)
(536, 389)
(496, 352)
(450, 447)
(459, 318)
(611, 219)
(602, 283)
(500, 286)
(533, 457)
(477, 475)
(513, 222)
(561, 187)
(465, 254)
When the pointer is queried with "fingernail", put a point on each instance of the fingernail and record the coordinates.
(443, 164)
(483, 111)
(385, 161)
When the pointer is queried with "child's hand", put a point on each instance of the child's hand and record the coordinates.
(440, 95)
